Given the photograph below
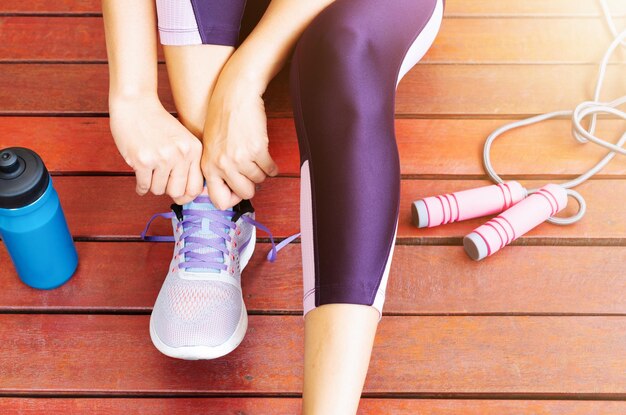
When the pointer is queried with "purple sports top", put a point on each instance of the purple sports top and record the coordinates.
(194, 22)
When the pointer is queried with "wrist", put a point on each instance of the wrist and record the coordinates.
(246, 73)
(122, 100)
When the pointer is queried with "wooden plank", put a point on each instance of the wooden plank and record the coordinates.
(67, 39)
(51, 6)
(519, 40)
(109, 207)
(455, 147)
(427, 90)
(428, 147)
(531, 8)
(127, 276)
(466, 90)
(544, 356)
(52, 38)
(453, 7)
(468, 40)
(62, 88)
(290, 406)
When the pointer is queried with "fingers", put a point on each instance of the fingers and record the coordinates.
(144, 181)
(185, 185)
(266, 163)
(253, 172)
(219, 192)
(229, 183)
(240, 184)
(234, 199)
(177, 182)
(195, 182)
(185, 181)
(160, 177)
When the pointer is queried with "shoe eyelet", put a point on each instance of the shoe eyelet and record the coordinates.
(235, 244)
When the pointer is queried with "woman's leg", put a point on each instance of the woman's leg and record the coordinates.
(195, 51)
(193, 71)
(202, 317)
(338, 343)
(343, 78)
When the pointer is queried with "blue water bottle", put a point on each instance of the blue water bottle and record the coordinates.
(32, 224)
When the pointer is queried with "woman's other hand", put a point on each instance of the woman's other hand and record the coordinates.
(235, 155)
(163, 153)
(235, 152)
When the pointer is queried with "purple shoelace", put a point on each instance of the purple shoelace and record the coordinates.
(220, 224)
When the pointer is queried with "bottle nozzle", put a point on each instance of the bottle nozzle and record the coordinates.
(9, 163)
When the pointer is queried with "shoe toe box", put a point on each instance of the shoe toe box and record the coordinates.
(197, 313)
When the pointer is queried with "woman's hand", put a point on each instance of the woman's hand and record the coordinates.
(163, 153)
(235, 153)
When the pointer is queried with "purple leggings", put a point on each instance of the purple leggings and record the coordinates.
(343, 79)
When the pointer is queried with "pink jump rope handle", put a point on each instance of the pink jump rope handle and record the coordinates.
(516, 221)
(467, 204)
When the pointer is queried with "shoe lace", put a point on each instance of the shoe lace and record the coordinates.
(221, 221)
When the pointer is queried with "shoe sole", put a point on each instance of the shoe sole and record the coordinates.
(212, 352)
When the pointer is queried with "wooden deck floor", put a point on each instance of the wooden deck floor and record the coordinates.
(539, 328)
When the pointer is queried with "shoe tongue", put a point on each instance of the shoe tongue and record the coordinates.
(205, 233)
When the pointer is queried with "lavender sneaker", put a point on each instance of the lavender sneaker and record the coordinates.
(199, 312)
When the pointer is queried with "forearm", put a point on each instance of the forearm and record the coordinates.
(130, 31)
(235, 142)
(264, 52)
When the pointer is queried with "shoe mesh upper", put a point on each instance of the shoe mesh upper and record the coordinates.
(195, 312)
(192, 311)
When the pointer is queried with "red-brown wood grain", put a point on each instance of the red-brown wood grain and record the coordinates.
(426, 91)
(51, 6)
(290, 406)
(127, 276)
(55, 39)
(33, 38)
(428, 147)
(536, 329)
(545, 356)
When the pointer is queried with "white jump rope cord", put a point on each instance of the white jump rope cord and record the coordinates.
(583, 110)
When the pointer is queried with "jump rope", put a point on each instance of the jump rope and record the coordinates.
(524, 209)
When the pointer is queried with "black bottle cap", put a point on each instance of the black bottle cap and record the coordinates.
(23, 177)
